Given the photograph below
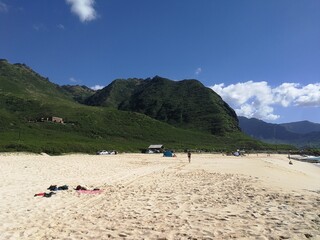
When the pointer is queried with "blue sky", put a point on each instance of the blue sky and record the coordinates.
(261, 56)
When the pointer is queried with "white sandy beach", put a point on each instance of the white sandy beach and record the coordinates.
(150, 197)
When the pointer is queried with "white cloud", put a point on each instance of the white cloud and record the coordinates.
(294, 94)
(83, 9)
(257, 99)
(97, 87)
(73, 80)
(3, 7)
(198, 71)
(61, 26)
(39, 27)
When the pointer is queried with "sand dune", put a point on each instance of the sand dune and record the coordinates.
(151, 197)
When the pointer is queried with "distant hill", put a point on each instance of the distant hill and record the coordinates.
(28, 101)
(187, 104)
(302, 127)
(280, 133)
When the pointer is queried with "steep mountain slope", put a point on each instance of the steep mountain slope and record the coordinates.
(278, 133)
(26, 97)
(186, 104)
(21, 81)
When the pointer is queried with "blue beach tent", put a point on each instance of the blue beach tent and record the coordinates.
(168, 153)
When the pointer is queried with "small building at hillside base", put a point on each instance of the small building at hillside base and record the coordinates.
(57, 119)
(52, 119)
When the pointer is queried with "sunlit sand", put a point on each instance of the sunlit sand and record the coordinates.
(146, 196)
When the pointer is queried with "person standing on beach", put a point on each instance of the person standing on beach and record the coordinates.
(189, 156)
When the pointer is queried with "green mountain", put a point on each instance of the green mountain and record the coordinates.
(78, 93)
(28, 100)
(186, 104)
(20, 80)
(26, 94)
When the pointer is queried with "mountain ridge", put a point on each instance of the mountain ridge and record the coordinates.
(285, 133)
(26, 97)
(302, 127)
(185, 103)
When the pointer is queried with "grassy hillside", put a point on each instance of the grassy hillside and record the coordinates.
(115, 94)
(187, 104)
(21, 81)
(26, 97)
(88, 129)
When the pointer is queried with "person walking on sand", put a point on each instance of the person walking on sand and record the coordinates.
(189, 156)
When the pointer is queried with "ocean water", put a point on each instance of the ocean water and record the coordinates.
(315, 158)
(318, 159)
